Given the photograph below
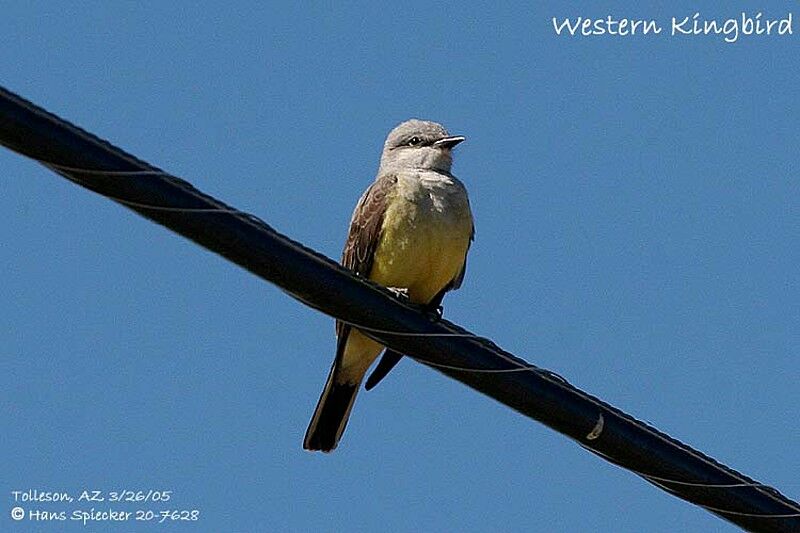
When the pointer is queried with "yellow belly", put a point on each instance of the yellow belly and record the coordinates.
(421, 249)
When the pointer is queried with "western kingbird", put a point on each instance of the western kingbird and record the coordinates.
(410, 231)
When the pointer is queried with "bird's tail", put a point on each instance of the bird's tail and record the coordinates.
(331, 415)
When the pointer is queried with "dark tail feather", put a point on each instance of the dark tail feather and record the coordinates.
(385, 365)
(331, 415)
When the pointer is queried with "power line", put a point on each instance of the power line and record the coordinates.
(326, 286)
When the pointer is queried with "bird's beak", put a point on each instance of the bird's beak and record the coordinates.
(449, 142)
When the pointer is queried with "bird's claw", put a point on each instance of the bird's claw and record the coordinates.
(435, 314)
(400, 292)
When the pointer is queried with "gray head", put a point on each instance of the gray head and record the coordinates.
(418, 144)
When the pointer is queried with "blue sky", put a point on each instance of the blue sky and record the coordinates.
(637, 222)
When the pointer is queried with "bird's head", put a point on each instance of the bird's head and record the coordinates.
(418, 144)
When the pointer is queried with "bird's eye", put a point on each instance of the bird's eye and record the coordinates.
(413, 141)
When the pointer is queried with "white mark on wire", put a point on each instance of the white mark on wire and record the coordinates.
(597, 429)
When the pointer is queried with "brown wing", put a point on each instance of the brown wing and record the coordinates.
(458, 280)
(365, 229)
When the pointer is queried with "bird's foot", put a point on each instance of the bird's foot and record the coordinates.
(435, 313)
(400, 292)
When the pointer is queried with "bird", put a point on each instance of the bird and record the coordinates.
(410, 232)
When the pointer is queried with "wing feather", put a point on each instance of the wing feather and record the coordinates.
(459, 279)
(365, 229)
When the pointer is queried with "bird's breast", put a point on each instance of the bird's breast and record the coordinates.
(425, 235)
